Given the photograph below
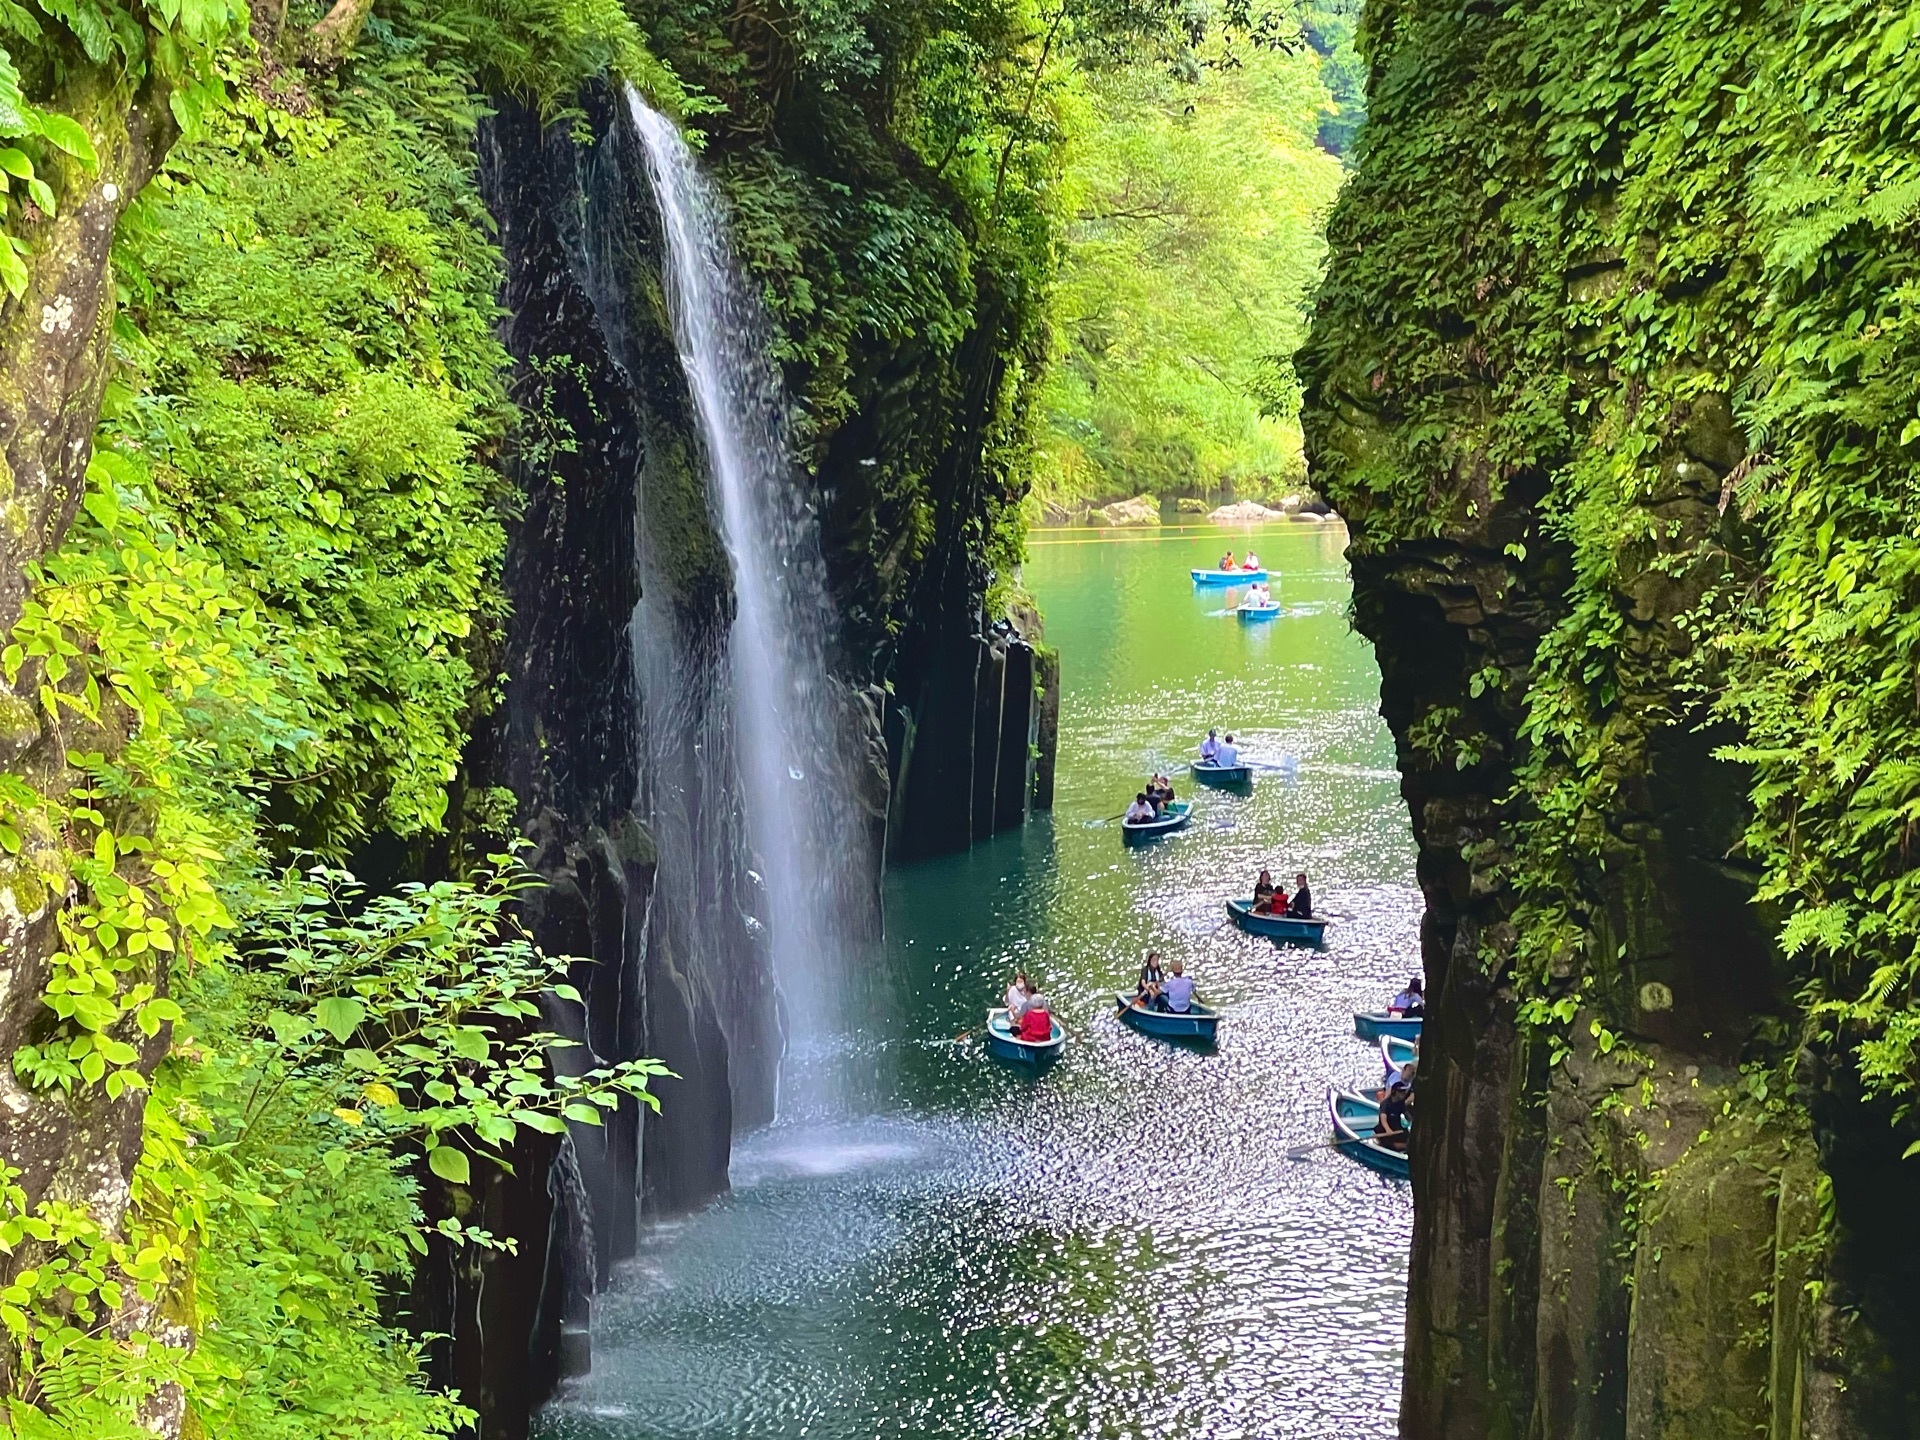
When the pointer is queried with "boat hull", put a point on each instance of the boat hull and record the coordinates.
(1354, 1117)
(1277, 927)
(1221, 776)
(1254, 613)
(1200, 1025)
(1373, 1026)
(1227, 577)
(1396, 1051)
(1175, 820)
(1003, 1044)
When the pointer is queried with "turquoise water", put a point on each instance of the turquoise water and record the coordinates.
(1122, 1248)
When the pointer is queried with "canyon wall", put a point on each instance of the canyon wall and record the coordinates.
(1607, 377)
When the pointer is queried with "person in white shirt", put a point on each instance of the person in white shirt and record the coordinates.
(1176, 992)
(1141, 809)
(1209, 747)
(1410, 1001)
(1227, 754)
(1019, 997)
(1252, 561)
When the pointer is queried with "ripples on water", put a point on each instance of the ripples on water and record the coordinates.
(1122, 1248)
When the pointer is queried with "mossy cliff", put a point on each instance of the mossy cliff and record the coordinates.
(1613, 376)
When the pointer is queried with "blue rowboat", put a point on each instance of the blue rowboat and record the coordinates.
(1354, 1117)
(1226, 775)
(1373, 1026)
(1276, 927)
(1199, 1024)
(1397, 1052)
(1252, 612)
(1003, 1044)
(1227, 577)
(1175, 817)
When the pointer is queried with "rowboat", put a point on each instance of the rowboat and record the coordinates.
(1221, 775)
(1373, 1026)
(1354, 1117)
(1003, 1044)
(1397, 1052)
(1276, 927)
(1227, 577)
(1176, 816)
(1198, 1024)
(1247, 610)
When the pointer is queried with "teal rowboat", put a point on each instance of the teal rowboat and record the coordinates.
(1222, 776)
(1200, 1024)
(1227, 577)
(1373, 1026)
(1003, 1044)
(1354, 1118)
(1276, 927)
(1174, 817)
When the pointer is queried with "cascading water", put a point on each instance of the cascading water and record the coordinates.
(792, 728)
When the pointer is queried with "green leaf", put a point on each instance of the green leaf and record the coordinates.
(449, 1164)
(336, 1162)
(65, 134)
(471, 1043)
(582, 1114)
(339, 1016)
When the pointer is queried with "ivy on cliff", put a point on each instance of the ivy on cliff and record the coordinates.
(1655, 265)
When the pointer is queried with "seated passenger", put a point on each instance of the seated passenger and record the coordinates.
(1252, 562)
(1392, 1128)
(1140, 810)
(1019, 996)
(1410, 1001)
(1228, 755)
(1176, 994)
(1209, 747)
(1301, 906)
(1037, 1024)
(1147, 989)
(1263, 887)
(1226, 561)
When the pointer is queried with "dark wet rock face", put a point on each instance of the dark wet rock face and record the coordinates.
(1620, 1231)
(615, 740)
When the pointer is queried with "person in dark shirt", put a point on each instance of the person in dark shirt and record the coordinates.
(1263, 888)
(1152, 977)
(1395, 1123)
(1301, 906)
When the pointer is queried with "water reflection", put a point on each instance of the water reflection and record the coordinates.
(1123, 1248)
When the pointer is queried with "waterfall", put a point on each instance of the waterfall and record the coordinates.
(792, 726)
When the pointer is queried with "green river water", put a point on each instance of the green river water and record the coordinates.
(1121, 1248)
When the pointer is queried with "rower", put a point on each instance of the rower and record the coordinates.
(1176, 994)
(1210, 747)
(1252, 561)
(1141, 810)
(1019, 997)
(1036, 1026)
(1391, 1130)
(1227, 756)
(1301, 906)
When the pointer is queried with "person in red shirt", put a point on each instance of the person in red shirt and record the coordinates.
(1037, 1024)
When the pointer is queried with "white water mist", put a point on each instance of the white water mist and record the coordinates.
(791, 723)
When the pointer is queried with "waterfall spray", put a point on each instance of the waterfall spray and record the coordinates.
(794, 740)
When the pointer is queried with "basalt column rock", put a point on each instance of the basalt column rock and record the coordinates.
(615, 742)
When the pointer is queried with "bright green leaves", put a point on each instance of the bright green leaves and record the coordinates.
(449, 1164)
(339, 1016)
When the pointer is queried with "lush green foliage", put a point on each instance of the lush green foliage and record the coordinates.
(1657, 212)
(261, 635)
(1197, 198)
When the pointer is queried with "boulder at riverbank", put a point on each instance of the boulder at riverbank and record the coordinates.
(1140, 510)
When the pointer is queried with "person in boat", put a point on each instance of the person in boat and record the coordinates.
(1410, 1001)
(1210, 747)
(1019, 997)
(1153, 977)
(1141, 810)
(1252, 562)
(1176, 993)
(1263, 891)
(1228, 755)
(1301, 906)
(1393, 1126)
(1226, 561)
(1036, 1024)
(1161, 791)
